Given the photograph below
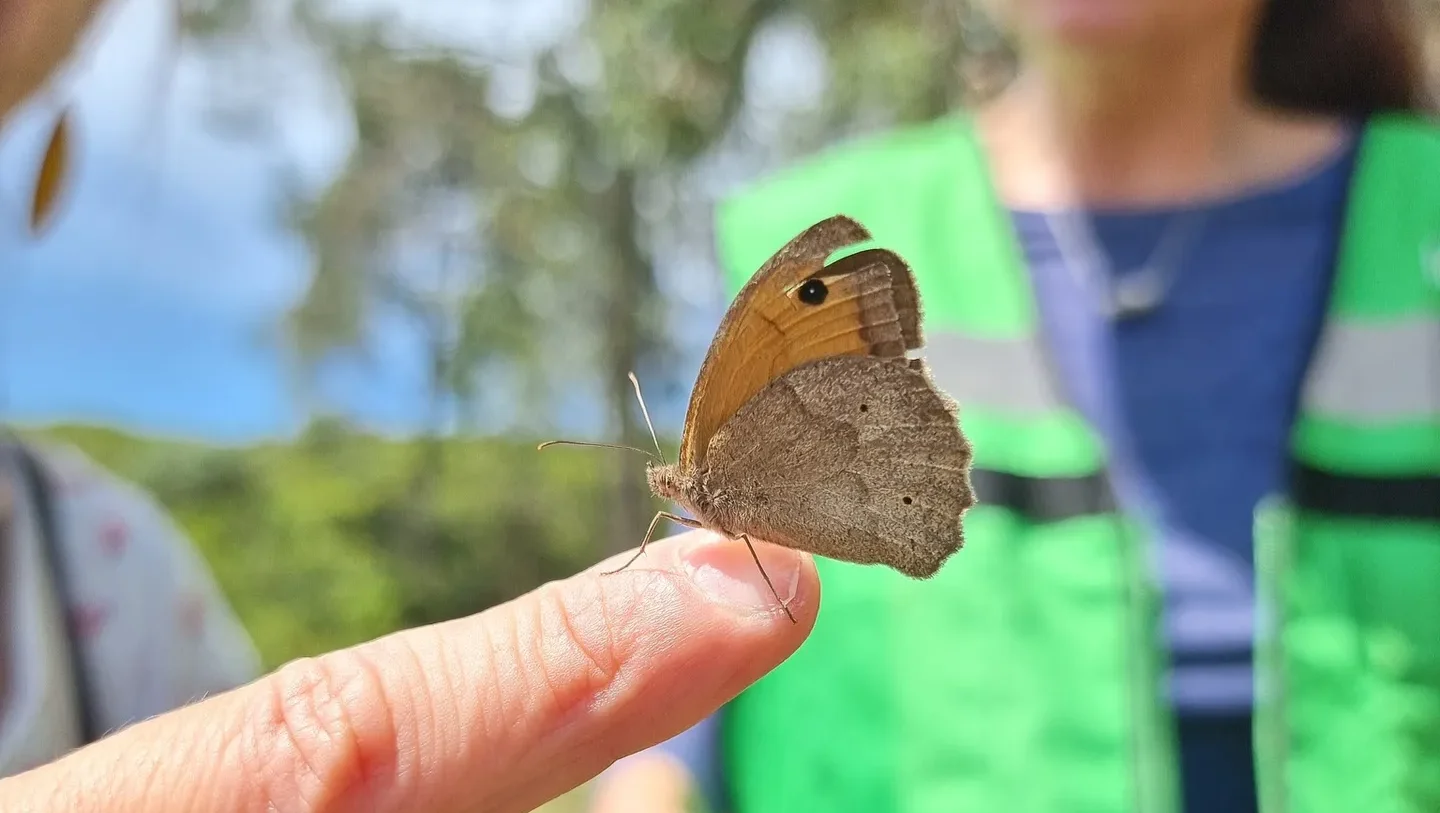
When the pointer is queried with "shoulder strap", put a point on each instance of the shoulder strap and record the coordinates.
(39, 485)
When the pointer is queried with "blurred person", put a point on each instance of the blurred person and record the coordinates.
(1182, 275)
(107, 614)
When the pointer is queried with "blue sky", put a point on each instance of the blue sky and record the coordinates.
(152, 304)
(148, 305)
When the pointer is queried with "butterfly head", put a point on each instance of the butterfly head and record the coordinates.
(666, 480)
(669, 481)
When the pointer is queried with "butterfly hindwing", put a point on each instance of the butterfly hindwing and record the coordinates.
(858, 459)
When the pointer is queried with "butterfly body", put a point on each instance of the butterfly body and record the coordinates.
(851, 457)
(812, 427)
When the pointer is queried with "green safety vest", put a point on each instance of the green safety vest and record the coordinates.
(1027, 676)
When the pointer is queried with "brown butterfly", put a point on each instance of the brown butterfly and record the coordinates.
(811, 426)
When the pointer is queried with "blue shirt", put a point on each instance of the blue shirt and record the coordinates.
(1195, 401)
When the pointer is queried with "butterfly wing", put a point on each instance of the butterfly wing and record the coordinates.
(854, 458)
(797, 309)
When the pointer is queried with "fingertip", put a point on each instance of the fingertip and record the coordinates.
(752, 578)
(723, 572)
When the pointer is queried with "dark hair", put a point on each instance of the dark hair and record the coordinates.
(1344, 57)
(1350, 58)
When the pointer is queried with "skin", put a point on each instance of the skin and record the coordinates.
(1120, 101)
(1139, 102)
(497, 712)
(36, 37)
(1117, 103)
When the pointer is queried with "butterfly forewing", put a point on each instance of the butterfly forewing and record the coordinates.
(796, 310)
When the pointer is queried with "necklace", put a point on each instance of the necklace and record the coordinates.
(1139, 292)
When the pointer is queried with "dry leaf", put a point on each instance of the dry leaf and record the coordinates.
(53, 171)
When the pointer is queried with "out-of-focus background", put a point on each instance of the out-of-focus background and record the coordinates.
(321, 274)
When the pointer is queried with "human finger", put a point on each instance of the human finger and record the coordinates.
(500, 711)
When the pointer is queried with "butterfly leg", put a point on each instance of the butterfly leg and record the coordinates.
(786, 607)
(686, 521)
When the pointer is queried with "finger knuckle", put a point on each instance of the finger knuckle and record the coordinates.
(578, 655)
(319, 735)
(585, 623)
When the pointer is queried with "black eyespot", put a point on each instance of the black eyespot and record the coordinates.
(813, 292)
(864, 407)
(906, 500)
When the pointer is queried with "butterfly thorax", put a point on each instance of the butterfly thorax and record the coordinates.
(672, 482)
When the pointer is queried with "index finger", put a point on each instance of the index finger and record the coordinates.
(499, 711)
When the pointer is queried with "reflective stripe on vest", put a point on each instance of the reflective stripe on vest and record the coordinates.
(1008, 377)
(1354, 400)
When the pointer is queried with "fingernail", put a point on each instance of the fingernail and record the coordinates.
(725, 570)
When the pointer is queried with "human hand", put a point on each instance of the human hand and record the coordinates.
(500, 711)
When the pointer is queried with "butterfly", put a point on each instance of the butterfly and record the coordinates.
(812, 426)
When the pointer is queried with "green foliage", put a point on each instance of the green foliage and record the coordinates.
(516, 203)
(329, 541)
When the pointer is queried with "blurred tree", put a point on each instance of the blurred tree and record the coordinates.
(512, 203)
(516, 201)
(303, 538)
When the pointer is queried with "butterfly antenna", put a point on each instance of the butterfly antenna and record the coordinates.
(643, 411)
(645, 452)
